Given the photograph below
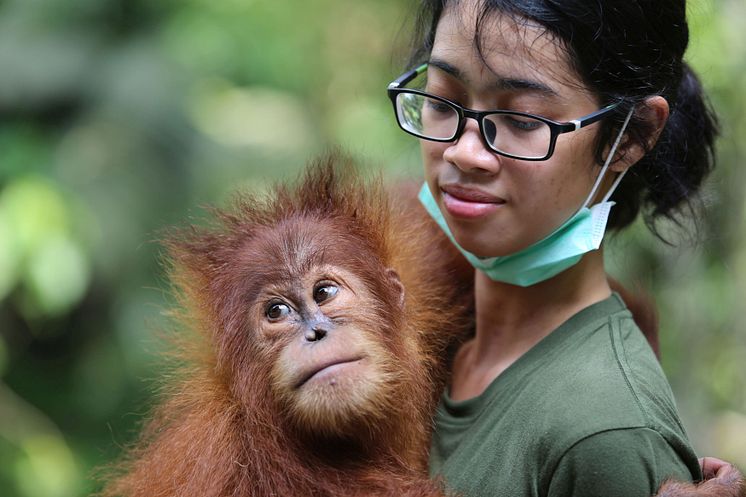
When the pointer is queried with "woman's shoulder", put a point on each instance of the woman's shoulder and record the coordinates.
(606, 377)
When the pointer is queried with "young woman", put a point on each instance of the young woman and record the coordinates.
(545, 123)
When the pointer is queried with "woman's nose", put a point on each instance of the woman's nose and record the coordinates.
(469, 152)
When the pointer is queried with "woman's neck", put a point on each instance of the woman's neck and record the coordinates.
(510, 320)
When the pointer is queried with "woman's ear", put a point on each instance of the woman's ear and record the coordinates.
(654, 110)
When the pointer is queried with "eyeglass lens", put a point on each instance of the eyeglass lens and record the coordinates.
(513, 134)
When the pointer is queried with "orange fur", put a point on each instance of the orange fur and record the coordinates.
(219, 431)
(726, 482)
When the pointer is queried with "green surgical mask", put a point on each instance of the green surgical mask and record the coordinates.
(563, 248)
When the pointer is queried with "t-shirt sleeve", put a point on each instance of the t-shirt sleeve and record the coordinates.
(617, 463)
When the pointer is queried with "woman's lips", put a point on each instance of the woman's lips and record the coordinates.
(469, 203)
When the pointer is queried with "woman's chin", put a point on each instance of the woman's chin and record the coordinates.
(485, 242)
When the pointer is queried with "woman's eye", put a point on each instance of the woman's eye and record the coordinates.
(526, 124)
(277, 311)
(438, 106)
(324, 292)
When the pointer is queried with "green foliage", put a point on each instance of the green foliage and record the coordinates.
(120, 117)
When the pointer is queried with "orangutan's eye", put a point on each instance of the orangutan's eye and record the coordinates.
(324, 292)
(277, 311)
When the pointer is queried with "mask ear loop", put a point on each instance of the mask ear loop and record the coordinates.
(606, 165)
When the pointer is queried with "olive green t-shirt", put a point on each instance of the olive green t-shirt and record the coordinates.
(585, 412)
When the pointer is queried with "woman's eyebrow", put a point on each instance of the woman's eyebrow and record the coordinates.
(525, 84)
(446, 68)
(501, 83)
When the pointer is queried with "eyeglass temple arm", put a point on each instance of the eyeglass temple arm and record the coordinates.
(592, 118)
(408, 76)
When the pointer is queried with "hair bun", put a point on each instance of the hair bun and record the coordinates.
(685, 152)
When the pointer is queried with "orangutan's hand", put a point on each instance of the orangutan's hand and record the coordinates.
(721, 479)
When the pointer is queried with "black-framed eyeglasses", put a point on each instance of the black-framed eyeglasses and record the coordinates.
(513, 134)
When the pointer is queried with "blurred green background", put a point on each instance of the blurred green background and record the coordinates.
(121, 117)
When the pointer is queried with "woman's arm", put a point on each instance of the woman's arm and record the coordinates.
(629, 462)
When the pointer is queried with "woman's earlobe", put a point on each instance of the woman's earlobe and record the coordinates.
(655, 111)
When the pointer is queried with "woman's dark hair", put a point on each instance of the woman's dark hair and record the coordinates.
(625, 51)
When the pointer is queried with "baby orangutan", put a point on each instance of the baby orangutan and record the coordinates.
(316, 374)
(324, 318)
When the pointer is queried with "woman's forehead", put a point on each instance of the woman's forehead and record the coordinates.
(505, 48)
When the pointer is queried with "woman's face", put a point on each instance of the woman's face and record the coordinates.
(495, 205)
